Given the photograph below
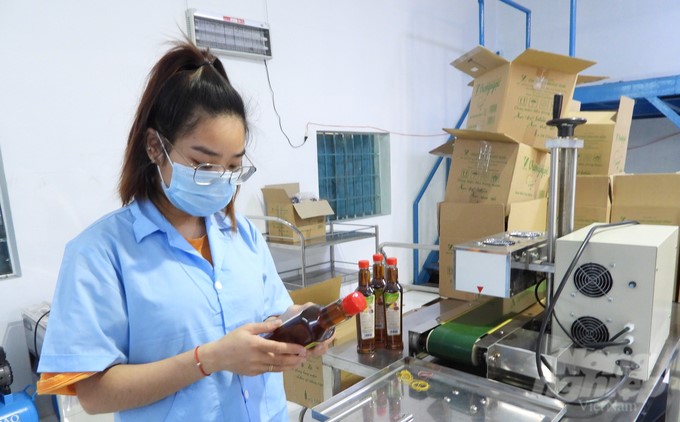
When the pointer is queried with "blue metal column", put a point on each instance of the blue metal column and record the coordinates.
(572, 29)
(416, 278)
(527, 12)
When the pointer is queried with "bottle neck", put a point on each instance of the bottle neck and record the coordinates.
(332, 314)
(364, 277)
(392, 274)
(378, 271)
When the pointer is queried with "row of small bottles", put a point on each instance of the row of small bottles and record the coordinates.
(377, 302)
(379, 325)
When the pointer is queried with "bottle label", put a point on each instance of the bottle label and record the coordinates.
(393, 313)
(367, 319)
(325, 336)
(379, 311)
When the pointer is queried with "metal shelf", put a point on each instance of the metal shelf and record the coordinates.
(317, 273)
(336, 233)
(331, 238)
(654, 97)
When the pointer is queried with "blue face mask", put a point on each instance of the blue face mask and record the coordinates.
(193, 199)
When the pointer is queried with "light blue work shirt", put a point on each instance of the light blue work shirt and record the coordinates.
(132, 290)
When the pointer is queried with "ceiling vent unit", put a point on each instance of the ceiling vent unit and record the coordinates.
(227, 35)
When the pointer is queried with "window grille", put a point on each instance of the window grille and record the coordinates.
(354, 173)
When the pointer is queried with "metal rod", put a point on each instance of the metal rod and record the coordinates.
(568, 157)
(572, 29)
(481, 22)
(350, 409)
(423, 189)
(552, 220)
(428, 180)
(665, 109)
(527, 12)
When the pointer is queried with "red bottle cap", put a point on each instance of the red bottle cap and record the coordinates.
(363, 264)
(354, 303)
(392, 261)
(377, 257)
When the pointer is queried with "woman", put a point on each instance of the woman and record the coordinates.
(159, 306)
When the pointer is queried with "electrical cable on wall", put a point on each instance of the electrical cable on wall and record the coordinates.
(271, 90)
(304, 141)
(391, 132)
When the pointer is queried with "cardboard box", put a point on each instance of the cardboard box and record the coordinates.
(461, 222)
(605, 139)
(592, 203)
(649, 199)
(308, 216)
(529, 216)
(304, 385)
(444, 150)
(493, 168)
(516, 97)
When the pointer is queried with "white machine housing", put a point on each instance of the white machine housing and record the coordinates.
(496, 265)
(625, 275)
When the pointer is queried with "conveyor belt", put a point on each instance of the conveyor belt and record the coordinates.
(455, 340)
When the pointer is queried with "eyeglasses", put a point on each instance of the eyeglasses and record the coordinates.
(206, 173)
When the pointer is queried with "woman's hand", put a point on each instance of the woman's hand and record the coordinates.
(321, 348)
(243, 351)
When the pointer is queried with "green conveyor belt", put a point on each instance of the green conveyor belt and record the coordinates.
(454, 341)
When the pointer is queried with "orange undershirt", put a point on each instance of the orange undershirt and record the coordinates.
(65, 383)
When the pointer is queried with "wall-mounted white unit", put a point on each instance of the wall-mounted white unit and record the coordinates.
(625, 276)
(228, 35)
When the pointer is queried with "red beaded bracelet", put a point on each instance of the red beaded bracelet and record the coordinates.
(198, 362)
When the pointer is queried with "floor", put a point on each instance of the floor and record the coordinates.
(414, 297)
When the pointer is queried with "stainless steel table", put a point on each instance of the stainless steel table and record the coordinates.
(631, 403)
(345, 357)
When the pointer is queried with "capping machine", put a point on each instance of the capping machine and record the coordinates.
(566, 325)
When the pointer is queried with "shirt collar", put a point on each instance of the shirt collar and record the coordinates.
(147, 220)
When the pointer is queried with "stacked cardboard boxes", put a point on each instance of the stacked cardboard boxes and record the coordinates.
(516, 97)
(605, 143)
(500, 167)
(650, 199)
(593, 201)
(605, 139)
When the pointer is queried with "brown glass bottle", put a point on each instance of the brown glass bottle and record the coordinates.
(378, 285)
(316, 324)
(394, 303)
(366, 318)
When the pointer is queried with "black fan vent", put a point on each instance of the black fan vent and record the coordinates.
(589, 330)
(593, 280)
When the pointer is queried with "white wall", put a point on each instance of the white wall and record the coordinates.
(72, 73)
